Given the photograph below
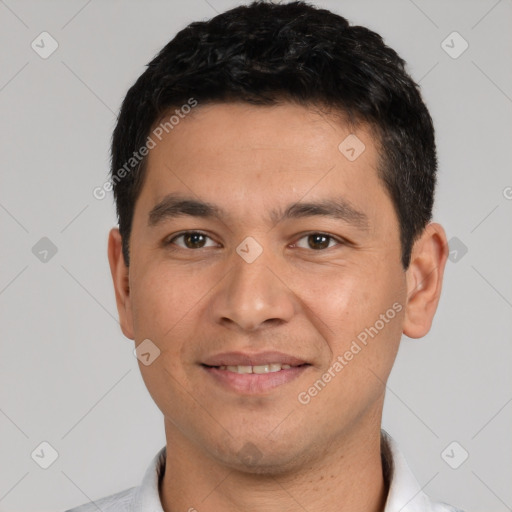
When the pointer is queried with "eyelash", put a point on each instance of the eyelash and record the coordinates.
(339, 241)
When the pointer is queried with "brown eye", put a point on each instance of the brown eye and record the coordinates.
(317, 241)
(192, 240)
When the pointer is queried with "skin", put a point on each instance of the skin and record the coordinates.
(308, 302)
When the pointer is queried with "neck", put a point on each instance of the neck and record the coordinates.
(347, 477)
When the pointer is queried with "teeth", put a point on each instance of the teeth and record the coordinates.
(259, 369)
(264, 368)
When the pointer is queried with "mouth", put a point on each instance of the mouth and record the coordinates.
(253, 373)
(259, 369)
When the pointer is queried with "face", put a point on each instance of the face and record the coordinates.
(265, 266)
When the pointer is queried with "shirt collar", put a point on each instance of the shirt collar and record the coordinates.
(404, 495)
(147, 495)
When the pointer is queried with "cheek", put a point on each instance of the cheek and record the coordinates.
(160, 297)
(362, 304)
(364, 318)
(350, 295)
(167, 304)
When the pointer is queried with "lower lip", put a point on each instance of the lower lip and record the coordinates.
(254, 383)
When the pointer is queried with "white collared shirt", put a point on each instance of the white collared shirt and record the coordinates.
(405, 494)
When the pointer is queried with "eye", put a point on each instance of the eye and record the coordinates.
(192, 240)
(317, 241)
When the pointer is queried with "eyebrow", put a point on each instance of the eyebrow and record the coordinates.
(339, 209)
(174, 205)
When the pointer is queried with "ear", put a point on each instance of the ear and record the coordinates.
(120, 276)
(424, 279)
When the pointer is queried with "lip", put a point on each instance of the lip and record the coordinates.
(253, 383)
(246, 359)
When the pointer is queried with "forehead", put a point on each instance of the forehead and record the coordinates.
(227, 130)
(247, 156)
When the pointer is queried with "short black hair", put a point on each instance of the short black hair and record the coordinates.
(265, 53)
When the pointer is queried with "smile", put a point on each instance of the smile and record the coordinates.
(260, 369)
(253, 379)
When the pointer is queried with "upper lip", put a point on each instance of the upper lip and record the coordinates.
(246, 359)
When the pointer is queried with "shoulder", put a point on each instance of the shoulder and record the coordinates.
(142, 497)
(405, 493)
(444, 507)
(118, 502)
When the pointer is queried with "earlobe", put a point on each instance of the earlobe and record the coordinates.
(424, 280)
(120, 278)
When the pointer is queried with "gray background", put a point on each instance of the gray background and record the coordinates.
(69, 377)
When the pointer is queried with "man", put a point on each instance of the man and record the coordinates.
(274, 172)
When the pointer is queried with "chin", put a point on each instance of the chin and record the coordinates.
(261, 457)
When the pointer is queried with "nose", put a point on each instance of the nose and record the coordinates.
(253, 296)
